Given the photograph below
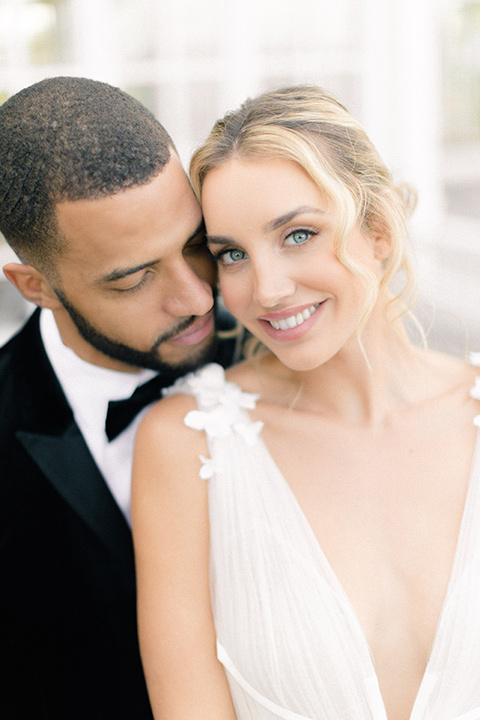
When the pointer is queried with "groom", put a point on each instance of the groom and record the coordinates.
(95, 203)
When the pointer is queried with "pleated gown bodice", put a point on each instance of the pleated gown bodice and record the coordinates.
(287, 634)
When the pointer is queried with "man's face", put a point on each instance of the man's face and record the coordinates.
(135, 282)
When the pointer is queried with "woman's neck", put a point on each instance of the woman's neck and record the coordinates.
(364, 386)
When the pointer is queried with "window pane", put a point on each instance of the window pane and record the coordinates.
(43, 24)
(136, 23)
(462, 73)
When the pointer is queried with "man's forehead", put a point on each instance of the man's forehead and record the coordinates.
(164, 187)
(164, 208)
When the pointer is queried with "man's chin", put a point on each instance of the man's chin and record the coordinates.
(177, 366)
(168, 359)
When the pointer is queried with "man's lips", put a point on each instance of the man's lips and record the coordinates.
(196, 333)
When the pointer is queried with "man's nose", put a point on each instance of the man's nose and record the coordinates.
(187, 293)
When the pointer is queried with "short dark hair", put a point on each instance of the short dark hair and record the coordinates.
(69, 138)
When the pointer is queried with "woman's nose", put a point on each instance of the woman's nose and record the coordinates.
(272, 284)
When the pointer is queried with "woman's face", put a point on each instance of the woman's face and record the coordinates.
(272, 233)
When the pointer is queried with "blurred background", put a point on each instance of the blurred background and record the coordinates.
(409, 70)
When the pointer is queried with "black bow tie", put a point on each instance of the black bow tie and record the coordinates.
(120, 413)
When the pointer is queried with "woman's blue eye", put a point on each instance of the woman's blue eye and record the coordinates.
(229, 257)
(297, 237)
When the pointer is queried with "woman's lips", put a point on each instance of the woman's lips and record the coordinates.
(291, 324)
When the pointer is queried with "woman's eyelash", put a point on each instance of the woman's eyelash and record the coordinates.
(303, 235)
(299, 232)
(215, 253)
(226, 256)
(218, 254)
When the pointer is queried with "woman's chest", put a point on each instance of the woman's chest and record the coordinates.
(386, 509)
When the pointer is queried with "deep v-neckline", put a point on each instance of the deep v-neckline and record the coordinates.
(375, 697)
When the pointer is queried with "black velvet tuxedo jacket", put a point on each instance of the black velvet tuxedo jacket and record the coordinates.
(68, 642)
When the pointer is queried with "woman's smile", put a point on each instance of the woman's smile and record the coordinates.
(285, 327)
(272, 232)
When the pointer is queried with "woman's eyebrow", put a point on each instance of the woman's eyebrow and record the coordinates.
(272, 224)
(217, 240)
(284, 219)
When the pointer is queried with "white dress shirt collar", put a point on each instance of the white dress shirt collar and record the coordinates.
(88, 389)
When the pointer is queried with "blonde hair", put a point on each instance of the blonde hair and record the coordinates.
(306, 125)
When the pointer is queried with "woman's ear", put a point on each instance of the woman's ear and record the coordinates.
(32, 284)
(382, 247)
(380, 237)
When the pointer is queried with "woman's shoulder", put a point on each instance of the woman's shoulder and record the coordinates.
(453, 370)
(474, 378)
(163, 427)
(170, 409)
(166, 447)
(455, 380)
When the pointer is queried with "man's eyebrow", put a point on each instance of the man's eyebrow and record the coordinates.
(120, 273)
(272, 224)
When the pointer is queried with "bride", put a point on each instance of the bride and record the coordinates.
(307, 528)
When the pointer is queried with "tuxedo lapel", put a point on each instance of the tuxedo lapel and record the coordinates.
(48, 433)
(68, 465)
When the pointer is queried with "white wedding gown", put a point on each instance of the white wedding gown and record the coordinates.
(287, 633)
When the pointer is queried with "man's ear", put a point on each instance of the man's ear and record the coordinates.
(32, 284)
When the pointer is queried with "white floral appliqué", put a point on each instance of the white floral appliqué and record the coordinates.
(220, 401)
(474, 359)
(249, 431)
(208, 468)
(475, 391)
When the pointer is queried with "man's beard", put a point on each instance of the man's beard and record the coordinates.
(139, 358)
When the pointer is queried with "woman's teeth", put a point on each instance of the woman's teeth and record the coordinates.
(294, 320)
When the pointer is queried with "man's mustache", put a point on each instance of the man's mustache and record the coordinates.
(181, 327)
